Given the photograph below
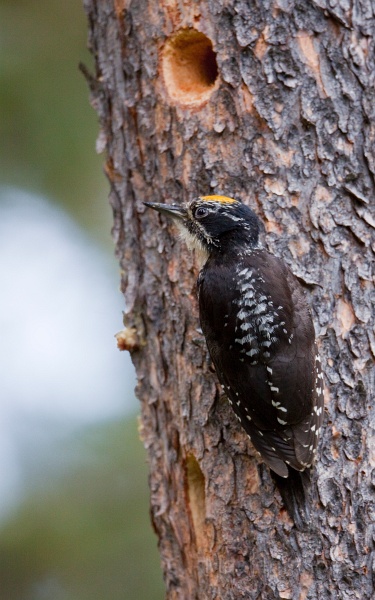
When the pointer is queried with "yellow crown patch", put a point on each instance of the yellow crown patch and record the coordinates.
(222, 199)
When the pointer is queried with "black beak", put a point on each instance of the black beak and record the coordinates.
(171, 210)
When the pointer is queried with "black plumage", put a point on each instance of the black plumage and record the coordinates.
(260, 336)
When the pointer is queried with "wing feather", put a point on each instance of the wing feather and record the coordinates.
(261, 339)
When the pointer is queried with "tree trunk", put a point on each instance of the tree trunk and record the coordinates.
(272, 102)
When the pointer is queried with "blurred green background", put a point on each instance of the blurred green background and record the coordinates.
(79, 529)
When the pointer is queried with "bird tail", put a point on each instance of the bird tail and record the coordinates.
(293, 490)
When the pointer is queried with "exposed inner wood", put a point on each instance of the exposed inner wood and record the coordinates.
(189, 67)
(197, 498)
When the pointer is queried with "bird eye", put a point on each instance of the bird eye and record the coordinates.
(201, 212)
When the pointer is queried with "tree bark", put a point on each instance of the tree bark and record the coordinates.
(279, 112)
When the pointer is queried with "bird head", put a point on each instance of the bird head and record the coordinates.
(214, 224)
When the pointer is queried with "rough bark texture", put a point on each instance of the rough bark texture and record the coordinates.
(290, 129)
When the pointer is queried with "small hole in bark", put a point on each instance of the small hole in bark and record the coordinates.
(189, 67)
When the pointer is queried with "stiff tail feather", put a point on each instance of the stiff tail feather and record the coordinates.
(293, 490)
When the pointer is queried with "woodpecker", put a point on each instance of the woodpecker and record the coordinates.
(259, 332)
